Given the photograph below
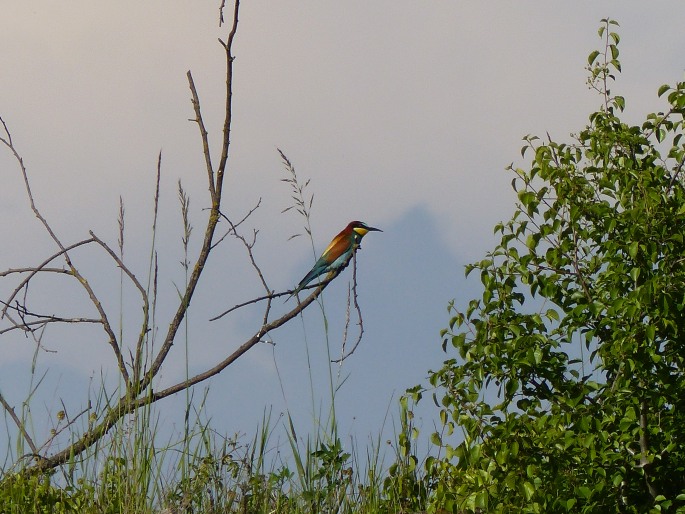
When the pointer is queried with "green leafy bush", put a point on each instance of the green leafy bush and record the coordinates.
(567, 387)
(34, 494)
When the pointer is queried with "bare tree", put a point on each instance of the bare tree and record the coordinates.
(136, 368)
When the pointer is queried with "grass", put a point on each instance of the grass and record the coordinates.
(135, 472)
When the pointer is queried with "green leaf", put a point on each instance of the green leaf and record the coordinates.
(633, 248)
(614, 51)
(592, 57)
(620, 102)
(528, 490)
(584, 492)
(650, 332)
(635, 274)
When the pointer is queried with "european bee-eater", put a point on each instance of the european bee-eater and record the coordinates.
(338, 253)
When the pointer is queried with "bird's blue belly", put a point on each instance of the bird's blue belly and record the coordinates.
(337, 263)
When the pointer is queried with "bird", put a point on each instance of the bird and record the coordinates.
(338, 252)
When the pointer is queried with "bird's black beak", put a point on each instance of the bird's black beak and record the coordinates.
(372, 229)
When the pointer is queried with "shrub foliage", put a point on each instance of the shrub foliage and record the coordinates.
(567, 391)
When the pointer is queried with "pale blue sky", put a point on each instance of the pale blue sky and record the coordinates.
(404, 115)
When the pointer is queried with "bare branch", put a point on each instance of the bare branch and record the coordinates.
(10, 145)
(247, 345)
(221, 12)
(270, 296)
(12, 271)
(40, 268)
(146, 306)
(236, 225)
(203, 135)
(215, 192)
(229, 100)
(360, 323)
(9, 409)
(248, 247)
(42, 319)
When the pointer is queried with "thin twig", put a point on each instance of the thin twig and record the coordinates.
(146, 306)
(677, 171)
(40, 268)
(10, 410)
(42, 319)
(203, 135)
(248, 246)
(228, 116)
(346, 329)
(12, 271)
(270, 296)
(360, 323)
(237, 224)
(221, 12)
(10, 145)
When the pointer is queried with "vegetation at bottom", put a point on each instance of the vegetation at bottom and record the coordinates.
(564, 384)
(133, 472)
